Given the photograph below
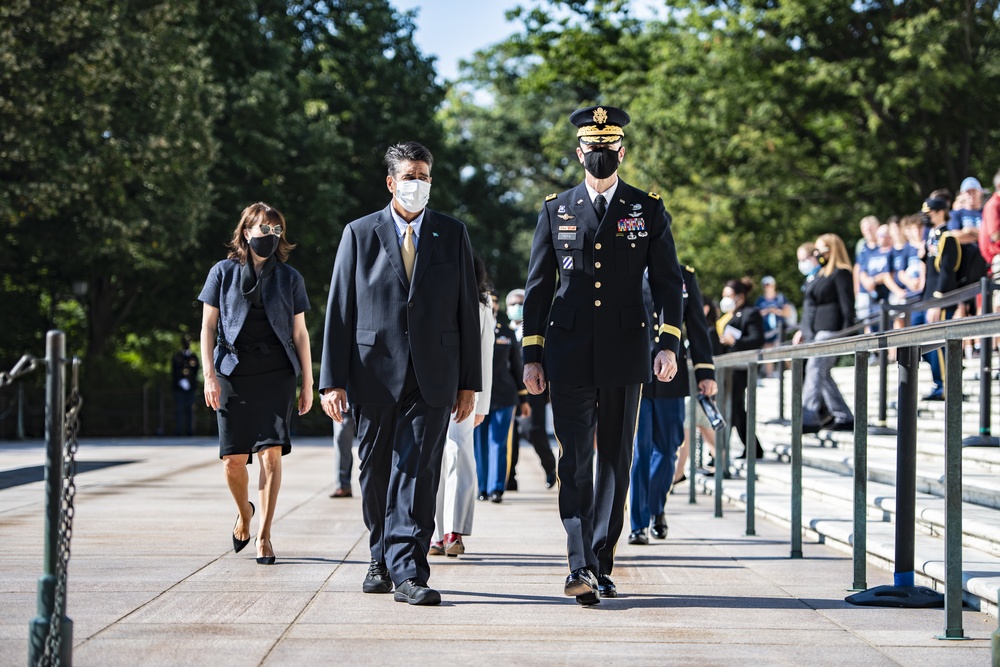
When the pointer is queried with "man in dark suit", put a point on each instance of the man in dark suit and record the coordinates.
(585, 333)
(402, 346)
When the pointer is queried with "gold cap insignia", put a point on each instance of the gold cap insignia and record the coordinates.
(600, 116)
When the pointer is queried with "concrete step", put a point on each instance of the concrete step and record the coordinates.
(980, 528)
(830, 521)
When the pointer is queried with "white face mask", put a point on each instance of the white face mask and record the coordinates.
(413, 195)
(727, 304)
(806, 266)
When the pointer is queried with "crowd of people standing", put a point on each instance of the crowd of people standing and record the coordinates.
(418, 366)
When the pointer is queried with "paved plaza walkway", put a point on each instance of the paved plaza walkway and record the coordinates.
(153, 580)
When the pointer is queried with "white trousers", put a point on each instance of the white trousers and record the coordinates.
(456, 496)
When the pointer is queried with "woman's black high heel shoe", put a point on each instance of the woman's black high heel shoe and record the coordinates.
(266, 560)
(238, 545)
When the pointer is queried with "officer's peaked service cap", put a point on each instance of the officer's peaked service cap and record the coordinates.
(599, 125)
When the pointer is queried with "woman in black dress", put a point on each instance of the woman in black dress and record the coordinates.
(740, 327)
(254, 344)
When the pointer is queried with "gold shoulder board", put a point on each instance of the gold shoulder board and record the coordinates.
(552, 196)
(653, 195)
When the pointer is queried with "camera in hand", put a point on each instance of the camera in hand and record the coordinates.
(712, 412)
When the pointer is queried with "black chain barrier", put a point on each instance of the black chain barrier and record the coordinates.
(53, 641)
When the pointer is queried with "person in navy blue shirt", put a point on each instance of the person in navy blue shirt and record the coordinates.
(254, 343)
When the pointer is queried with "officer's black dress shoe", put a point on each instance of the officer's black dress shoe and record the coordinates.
(482, 496)
(842, 426)
(638, 537)
(580, 582)
(659, 530)
(496, 497)
(606, 587)
(414, 591)
(810, 428)
(550, 480)
(377, 580)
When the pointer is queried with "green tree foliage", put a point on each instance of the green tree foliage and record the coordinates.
(762, 124)
(105, 111)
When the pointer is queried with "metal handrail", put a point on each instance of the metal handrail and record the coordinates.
(910, 340)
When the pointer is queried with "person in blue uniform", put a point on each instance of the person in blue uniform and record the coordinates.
(661, 418)
(586, 337)
(508, 399)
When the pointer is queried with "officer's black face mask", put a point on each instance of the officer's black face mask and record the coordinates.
(601, 162)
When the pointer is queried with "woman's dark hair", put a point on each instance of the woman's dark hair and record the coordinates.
(482, 279)
(253, 215)
(741, 287)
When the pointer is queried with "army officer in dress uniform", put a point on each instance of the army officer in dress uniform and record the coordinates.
(586, 334)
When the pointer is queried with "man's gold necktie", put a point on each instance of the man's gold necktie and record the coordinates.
(409, 252)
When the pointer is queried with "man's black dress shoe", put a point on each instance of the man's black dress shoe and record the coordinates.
(496, 497)
(580, 582)
(842, 426)
(659, 530)
(239, 545)
(638, 537)
(606, 587)
(810, 428)
(377, 580)
(588, 599)
(414, 591)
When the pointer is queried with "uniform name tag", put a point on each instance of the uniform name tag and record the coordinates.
(567, 236)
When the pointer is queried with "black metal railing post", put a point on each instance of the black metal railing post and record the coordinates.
(751, 447)
(881, 424)
(55, 439)
(722, 444)
(953, 493)
(692, 417)
(860, 471)
(781, 379)
(985, 437)
(798, 366)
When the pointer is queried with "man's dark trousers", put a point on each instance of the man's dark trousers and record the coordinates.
(400, 457)
(593, 522)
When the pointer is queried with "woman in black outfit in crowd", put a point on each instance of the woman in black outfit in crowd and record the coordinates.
(740, 327)
(827, 307)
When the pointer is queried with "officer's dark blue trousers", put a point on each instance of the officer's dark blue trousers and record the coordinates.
(657, 439)
(593, 511)
(491, 444)
(400, 449)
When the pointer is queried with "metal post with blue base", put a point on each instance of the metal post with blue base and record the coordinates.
(903, 592)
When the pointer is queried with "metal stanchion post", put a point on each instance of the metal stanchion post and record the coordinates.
(860, 471)
(881, 425)
(722, 444)
(798, 365)
(985, 438)
(781, 379)
(953, 493)
(751, 449)
(692, 435)
(55, 434)
(903, 593)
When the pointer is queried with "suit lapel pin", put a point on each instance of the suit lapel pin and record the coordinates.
(579, 201)
(434, 233)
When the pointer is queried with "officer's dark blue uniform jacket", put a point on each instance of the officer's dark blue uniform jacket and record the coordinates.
(584, 316)
(699, 344)
(284, 297)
